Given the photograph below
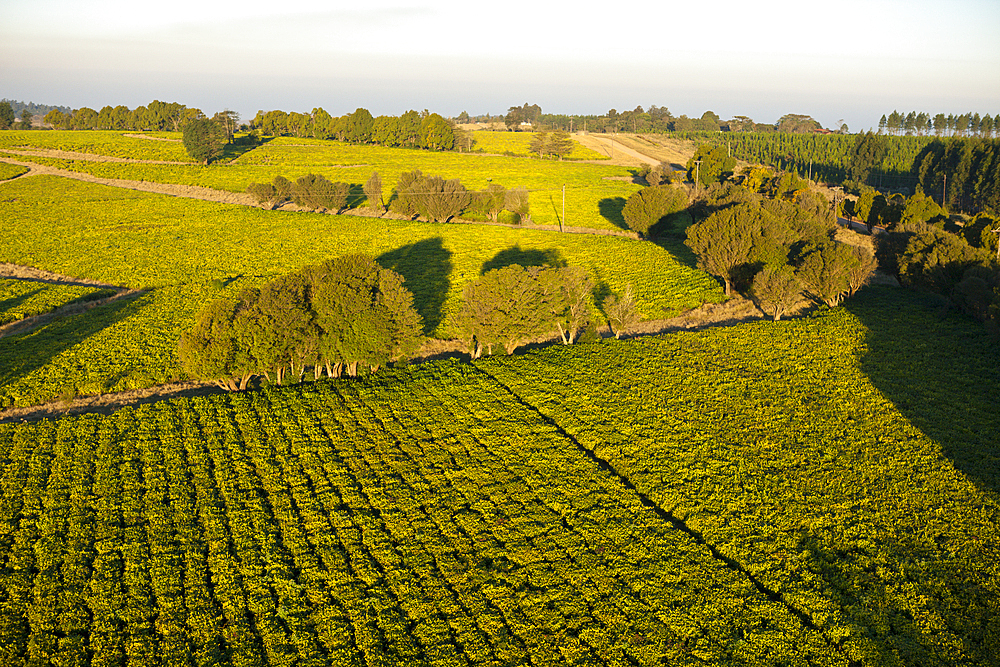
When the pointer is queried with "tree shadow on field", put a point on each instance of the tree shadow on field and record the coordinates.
(22, 354)
(13, 302)
(517, 255)
(893, 624)
(355, 194)
(426, 270)
(941, 370)
(611, 209)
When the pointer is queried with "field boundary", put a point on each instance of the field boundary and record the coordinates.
(243, 199)
(735, 311)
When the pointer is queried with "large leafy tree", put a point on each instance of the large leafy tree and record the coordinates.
(826, 272)
(364, 313)
(648, 206)
(204, 140)
(502, 309)
(436, 133)
(210, 351)
(776, 289)
(710, 164)
(723, 240)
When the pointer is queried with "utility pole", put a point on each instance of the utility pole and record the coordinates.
(697, 175)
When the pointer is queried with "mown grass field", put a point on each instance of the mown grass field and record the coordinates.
(178, 247)
(761, 495)
(595, 194)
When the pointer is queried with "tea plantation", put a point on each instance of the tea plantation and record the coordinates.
(817, 491)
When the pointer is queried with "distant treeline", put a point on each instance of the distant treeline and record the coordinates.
(34, 109)
(156, 116)
(962, 125)
(640, 121)
(412, 129)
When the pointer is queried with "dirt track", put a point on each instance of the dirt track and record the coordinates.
(734, 311)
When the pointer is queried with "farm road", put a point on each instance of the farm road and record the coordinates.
(622, 155)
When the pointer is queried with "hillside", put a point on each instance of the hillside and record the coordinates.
(823, 490)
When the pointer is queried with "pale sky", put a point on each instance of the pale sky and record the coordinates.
(852, 60)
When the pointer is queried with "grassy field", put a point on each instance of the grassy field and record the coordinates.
(595, 194)
(760, 495)
(178, 247)
(11, 170)
(100, 142)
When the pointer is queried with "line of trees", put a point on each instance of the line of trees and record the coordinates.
(961, 125)
(656, 119)
(350, 314)
(410, 130)
(432, 197)
(332, 318)
(156, 116)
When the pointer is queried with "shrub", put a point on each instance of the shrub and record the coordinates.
(315, 192)
(516, 201)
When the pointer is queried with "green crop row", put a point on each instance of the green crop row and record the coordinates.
(418, 520)
(22, 298)
(849, 461)
(99, 142)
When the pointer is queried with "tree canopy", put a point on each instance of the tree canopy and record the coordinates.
(204, 140)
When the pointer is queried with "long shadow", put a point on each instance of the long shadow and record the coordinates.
(517, 255)
(670, 233)
(611, 208)
(231, 151)
(13, 302)
(22, 354)
(895, 623)
(425, 267)
(941, 370)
